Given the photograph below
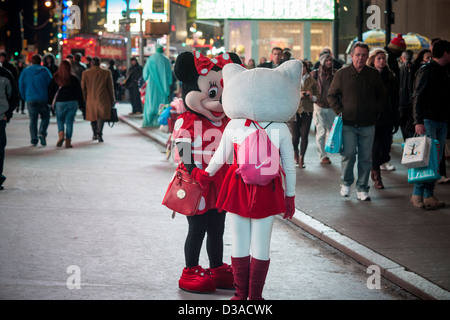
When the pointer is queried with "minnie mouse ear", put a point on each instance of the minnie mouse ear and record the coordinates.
(235, 58)
(184, 68)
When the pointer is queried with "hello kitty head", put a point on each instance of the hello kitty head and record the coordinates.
(262, 94)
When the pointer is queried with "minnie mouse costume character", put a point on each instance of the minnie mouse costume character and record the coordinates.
(197, 134)
(257, 99)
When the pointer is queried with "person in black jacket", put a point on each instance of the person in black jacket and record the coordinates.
(65, 96)
(406, 91)
(9, 100)
(132, 84)
(431, 111)
(388, 121)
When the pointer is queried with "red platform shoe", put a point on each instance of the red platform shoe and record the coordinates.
(223, 277)
(197, 280)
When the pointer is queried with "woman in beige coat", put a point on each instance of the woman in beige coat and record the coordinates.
(301, 122)
(98, 92)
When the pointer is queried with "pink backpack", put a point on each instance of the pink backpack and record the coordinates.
(257, 157)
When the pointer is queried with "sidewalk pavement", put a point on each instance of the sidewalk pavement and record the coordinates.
(410, 246)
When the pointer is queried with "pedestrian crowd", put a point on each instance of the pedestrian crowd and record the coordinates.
(380, 92)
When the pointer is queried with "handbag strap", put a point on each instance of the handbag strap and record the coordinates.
(54, 98)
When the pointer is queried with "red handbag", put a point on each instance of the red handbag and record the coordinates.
(183, 194)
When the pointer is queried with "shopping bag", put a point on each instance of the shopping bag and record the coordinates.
(416, 152)
(334, 141)
(431, 171)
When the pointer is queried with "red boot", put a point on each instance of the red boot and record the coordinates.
(258, 274)
(197, 280)
(223, 277)
(241, 270)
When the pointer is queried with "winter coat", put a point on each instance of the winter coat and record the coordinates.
(390, 115)
(5, 94)
(306, 104)
(431, 99)
(72, 92)
(360, 97)
(323, 80)
(98, 93)
(33, 83)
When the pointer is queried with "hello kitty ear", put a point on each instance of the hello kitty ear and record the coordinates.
(292, 69)
(230, 70)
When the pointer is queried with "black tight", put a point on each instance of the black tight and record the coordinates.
(212, 223)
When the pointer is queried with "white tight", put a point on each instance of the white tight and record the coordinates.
(250, 233)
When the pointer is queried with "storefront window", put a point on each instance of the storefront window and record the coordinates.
(241, 39)
(321, 37)
(280, 34)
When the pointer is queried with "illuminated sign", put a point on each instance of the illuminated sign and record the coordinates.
(184, 3)
(116, 7)
(266, 9)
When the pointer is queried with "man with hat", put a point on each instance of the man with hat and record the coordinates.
(395, 49)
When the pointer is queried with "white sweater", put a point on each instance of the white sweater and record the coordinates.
(237, 132)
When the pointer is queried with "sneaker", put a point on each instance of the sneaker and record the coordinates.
(363, 196)
(387, 167)
(345, 190)
(197, 280)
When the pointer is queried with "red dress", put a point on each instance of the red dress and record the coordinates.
(250, 201)
(204, 137)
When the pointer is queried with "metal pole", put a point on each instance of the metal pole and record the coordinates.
(168, 34)
(360, 20)
(128, 33)
(336, 29)
(141, 36)
(388, 19)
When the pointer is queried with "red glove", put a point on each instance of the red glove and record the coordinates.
(290, 207)
(202, 177)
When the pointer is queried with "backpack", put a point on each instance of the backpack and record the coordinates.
(257, 157)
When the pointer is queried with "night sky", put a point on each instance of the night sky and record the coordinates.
(36, 29)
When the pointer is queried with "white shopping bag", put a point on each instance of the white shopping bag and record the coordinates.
(416, 152)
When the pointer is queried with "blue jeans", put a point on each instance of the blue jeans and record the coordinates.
(65, 115)
(357, 141)
(436, 130)
(36, 109)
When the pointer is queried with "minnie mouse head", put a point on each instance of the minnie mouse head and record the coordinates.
(202, 83)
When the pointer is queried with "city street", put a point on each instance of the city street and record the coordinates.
(87, 223)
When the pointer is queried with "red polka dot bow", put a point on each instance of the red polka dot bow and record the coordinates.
(204, 64)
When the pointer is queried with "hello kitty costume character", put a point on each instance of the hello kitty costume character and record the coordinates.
(197, 133)
(269, 98)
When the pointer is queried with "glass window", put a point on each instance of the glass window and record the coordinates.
(241, 39)
(321, 37)
(280, 34)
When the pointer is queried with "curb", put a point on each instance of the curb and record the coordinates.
(390, 270)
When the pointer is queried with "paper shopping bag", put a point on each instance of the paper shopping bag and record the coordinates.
(430, 172)
(416, 152)
(334, 141)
